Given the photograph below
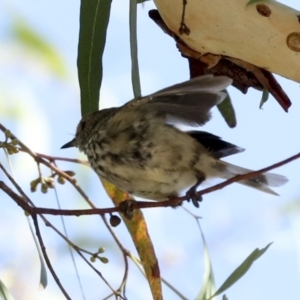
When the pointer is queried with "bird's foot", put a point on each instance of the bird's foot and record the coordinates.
(192, 195)
(192, 192)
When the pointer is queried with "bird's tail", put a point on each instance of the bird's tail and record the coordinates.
(261, 182)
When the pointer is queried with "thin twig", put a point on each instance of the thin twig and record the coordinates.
(21, 201)
(41, 160)
(69, 246)
(47, 260)
(36, 210)
(40, 172)
(31, 209)
(124, 252)
(139, 266)
(100, 275)
(55, 158)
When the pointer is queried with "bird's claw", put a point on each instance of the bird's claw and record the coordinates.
(192, 195)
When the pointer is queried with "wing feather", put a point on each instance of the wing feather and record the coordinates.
(188, 102)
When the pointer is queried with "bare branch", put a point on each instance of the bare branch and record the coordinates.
(47, 260)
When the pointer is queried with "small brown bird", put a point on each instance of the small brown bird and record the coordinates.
(137, 148)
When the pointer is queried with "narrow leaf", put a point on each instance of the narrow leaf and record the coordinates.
(69, 246)
(264, 98)
(227, 111)
(4, 292)
(135, 77)
(208, 285)
(240, 271)
(94, 17)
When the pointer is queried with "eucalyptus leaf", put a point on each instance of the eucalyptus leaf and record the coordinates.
(94, 18)
(240, 271)
(264, 98)
(208, 285)
(227, 111)
(135, 77)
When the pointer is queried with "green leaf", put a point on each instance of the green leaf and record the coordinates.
(227, 111)
(94, 18)
(264, 98)
(240, 271)
(4, 292)
(208, 285)
(141, 1)
(135, 77)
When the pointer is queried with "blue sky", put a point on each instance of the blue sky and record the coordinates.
(43, 111)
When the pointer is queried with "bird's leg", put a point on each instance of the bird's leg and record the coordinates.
(192, 192)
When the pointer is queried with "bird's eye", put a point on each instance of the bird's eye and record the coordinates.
(82, 125)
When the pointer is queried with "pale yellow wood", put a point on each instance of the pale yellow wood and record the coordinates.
(229, 27)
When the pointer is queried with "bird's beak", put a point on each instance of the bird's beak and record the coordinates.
(68, 145)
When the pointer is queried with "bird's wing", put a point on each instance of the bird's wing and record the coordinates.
(189, 102)
(206, 83)
(215, 144)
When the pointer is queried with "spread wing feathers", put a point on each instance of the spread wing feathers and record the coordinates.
(206, 83)
(192, 109)
(190, 102)
(214, 144)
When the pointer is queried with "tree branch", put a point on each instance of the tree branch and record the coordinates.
(135, 204)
